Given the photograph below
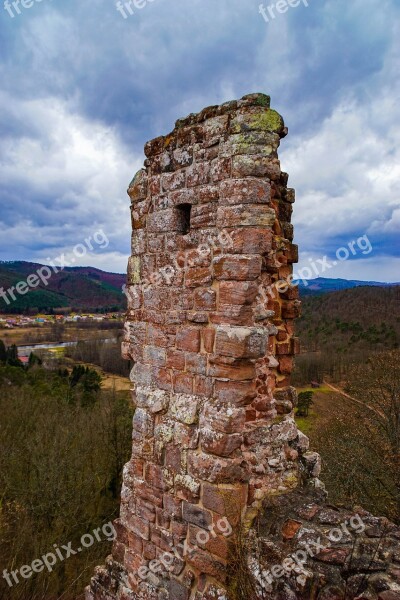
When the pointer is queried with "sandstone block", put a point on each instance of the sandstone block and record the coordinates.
(156, 336)
(285, 365)
(175, 359)
(216, 469)
(139, 242)
(198, 174)
(220, 169)
(184, 408)
(241, 342)
(197, 316)
(249, 240)
(182, 157)
(173, 458)
(223, 418)
(215, 544)
(261, 143)
(153, 355)
(197, 277)
(173, 506)
(220, 444)
(143, 422)
(154, 146)
(161, 538)
(162, 163)
(173, 181)
(155, 298)
(184, 196)
(153, 400)
(203, 386)
(145, 513)
(238, 267)
(196, 363)
(203, 216)
(226, 500)
(133, 270)
(177, 591)
(205, 299)
(256, 166)
(139, 527)
(231, 368)
(189, 487)
(138, 187)
(208, 337)
(234, 315)
(148, 493)
(237, 292)
(183, 383)
(157, 477)
(312, 462)
(215, 127)
(135, 543)
(164, 221)
(205, 563)
(205, 194)
(245, 191)
(245, 215)
(188, 339)
(196, 515)
(257, 119)
(186, 436)
(239, 393)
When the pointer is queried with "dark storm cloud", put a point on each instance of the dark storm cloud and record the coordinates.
(84, 88)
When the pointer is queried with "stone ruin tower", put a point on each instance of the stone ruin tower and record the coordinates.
(210, 332)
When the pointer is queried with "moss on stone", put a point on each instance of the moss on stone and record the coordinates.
(168, 140)
(134, 270)
(292, 480)
(243, 143)
(263, 100)
(279, 419)
(137, 175)
(268, 120)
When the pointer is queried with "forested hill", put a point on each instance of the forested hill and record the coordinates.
(323, 285)
(77, 288)
(350, 320)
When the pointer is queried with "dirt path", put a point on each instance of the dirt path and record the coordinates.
(326, 405)
(110, 382)
(363, 404)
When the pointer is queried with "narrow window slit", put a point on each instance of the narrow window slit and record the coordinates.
(184, 212)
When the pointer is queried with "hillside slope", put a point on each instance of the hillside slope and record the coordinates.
(346, 327)
(323, 285)
(77, 288)
(358, 317)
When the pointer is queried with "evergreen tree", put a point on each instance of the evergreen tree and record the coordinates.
(12, 357)
(34, 360)
(304, 404)
(3, 352)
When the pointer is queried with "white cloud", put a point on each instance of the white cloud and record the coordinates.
(347, 174)
(78, 172)
(77, 85)
(385, 269)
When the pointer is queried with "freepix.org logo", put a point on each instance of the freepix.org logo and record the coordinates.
(270, 12)
(14, 8)
(128, 7)
(49, 560)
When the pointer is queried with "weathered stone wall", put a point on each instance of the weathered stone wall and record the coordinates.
(210, 331)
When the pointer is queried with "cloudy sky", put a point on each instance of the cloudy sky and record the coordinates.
(83, 88)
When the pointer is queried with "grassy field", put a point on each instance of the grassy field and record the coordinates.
(46, 334)
(326, 405)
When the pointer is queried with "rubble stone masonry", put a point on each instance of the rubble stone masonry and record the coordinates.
(210, 332)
